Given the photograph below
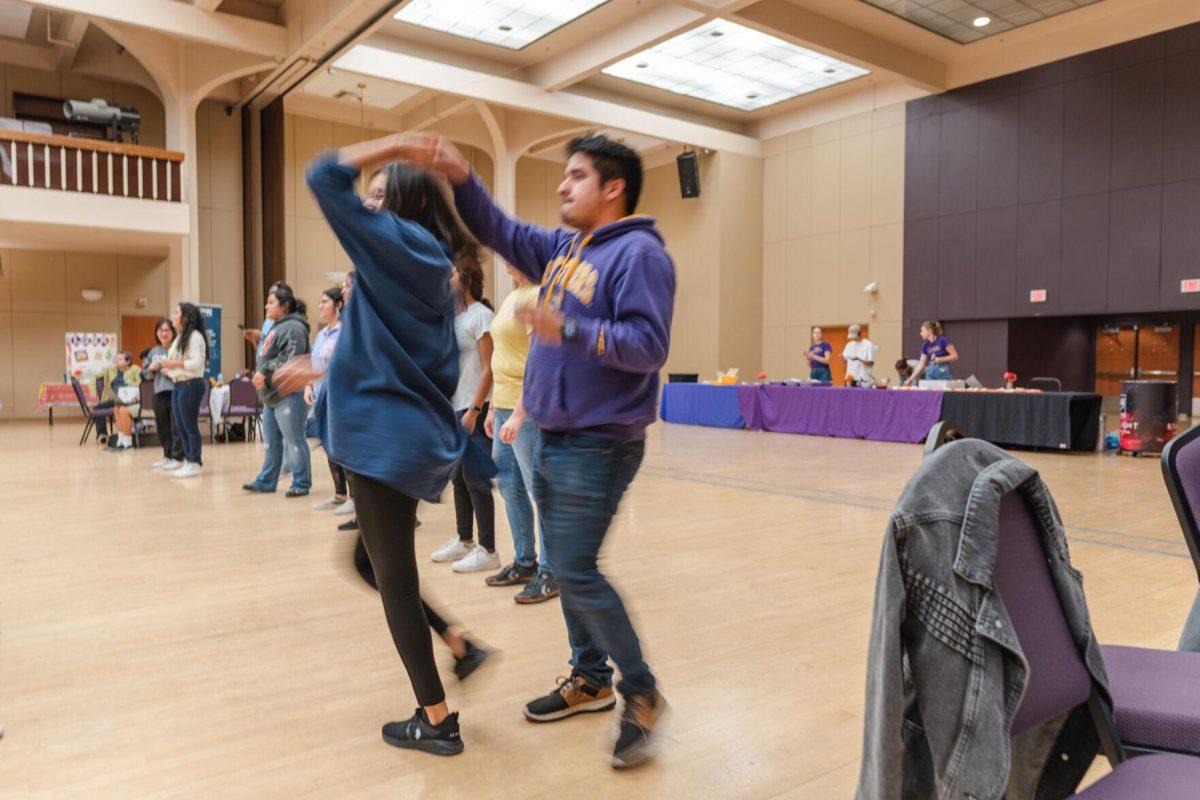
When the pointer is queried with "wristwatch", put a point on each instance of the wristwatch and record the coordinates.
(477, 409)
(570, 329)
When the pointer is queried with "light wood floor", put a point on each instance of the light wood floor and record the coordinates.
(182, 639)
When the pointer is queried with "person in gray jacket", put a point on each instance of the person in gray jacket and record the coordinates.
(945, 672)
(164, 426)
(284, 415)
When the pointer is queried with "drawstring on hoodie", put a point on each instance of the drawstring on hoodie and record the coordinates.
(561, 279)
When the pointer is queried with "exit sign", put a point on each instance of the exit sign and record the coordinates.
(1189, 286)
(1037, 295)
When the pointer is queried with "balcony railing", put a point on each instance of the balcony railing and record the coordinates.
(68, 164)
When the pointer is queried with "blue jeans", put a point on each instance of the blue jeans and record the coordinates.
(821, 373)
(515, 464)
(937, 372)
(283, 433)
(578, 482)
(185, 408)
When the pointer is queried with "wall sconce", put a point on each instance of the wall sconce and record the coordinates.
(872, 287)
(92, 295)
(142, 302)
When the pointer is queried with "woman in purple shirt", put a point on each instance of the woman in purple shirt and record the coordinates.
(818, 355)
(937, 353)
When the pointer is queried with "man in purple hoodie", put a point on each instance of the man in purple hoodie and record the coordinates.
(602, 329)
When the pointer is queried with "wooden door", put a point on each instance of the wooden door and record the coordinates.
(137, 334)
(1115, 349)
(837, 336)
(1158, 353)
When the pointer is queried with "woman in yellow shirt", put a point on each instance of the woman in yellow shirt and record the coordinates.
(513, 440)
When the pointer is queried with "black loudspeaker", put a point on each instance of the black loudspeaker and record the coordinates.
(689, 174)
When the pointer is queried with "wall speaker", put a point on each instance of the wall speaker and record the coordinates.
(689, 174)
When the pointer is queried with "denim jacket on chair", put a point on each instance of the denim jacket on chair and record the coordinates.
(946, 673)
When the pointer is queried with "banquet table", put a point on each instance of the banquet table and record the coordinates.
(61, 395)
(1057, 420)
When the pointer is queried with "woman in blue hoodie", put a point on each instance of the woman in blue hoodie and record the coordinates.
(386, 414)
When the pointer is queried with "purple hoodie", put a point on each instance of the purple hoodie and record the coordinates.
(619, 284)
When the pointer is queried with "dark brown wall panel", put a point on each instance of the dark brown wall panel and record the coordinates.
(992, 357)
(959, 157)
(1180, 243)
(1137, 133)
(999, 145)
(1087, 130)
(1183, 40)
(921, 268)
(1087, 64)
(996, 262)
(921, 168)
(956, 266)
(1135, 238)
(1039, 255)
(1041, 145)
(1052, 348)
(1084, 279)
(1181, 122)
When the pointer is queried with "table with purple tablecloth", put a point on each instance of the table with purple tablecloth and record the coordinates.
(859, 413)
(886, 416)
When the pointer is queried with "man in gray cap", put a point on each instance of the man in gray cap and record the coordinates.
(859, 355)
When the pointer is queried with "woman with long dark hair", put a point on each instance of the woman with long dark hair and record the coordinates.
(284, 413)
(329, 311)
(388, 416)
(184, 364)
(473, 501)
(164, 387)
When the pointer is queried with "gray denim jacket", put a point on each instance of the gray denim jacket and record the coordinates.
(946, 673)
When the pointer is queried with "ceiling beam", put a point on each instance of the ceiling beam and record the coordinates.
(379, 62)
(68, 38)
(781, 18)
(629, 37)
(183, 21)
(208, 6)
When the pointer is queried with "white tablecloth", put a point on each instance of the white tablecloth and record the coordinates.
(218, 402)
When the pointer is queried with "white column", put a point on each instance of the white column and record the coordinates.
(505, 179)
(181, 136)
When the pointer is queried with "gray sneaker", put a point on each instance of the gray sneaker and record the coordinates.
(538, 590)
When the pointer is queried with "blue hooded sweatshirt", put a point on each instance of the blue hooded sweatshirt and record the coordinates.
(386, 412)
(618, 283)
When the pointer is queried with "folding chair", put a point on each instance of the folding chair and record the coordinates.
(942, 432)
(1156, 707)
(243, 404)
(1058, 679)
(90, 415)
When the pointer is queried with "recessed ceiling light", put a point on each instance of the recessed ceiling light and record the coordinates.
(981, 22)
(743, 68)
(507, 23)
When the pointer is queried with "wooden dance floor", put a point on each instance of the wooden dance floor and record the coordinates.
(168, 639)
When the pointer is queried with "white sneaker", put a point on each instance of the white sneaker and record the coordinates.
(345, 508)
(170, 465)
(188, 470)
(452, 550)
(162, 462)
(477, 560)
(332, 502)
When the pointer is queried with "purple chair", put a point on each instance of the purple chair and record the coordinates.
(1181, 472)
(205, 413)
(244, 404)
(1058, 679)
(90, 415)
(1156, 707)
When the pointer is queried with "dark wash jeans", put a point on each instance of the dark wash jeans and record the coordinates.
(578, 483)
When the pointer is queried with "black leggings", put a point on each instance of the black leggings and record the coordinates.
(362, 563)
(387, 523)
(473, 494)
(164, 427)
(339, 478)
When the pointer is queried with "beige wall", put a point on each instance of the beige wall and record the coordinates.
(832, 223)
(311, 248)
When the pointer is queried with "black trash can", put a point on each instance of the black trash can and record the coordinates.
(1148, 415)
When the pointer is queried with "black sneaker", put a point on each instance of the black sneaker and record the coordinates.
(352, 525)
(574, 695)
(539, 590)
(513, 573)
(296, 493)
(419, 733)
(257, 488)
(463, 667)
(636, 739)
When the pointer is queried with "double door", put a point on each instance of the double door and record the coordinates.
(1136, 352)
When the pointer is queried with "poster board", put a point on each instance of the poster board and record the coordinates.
(89, 354)
(212, 322)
